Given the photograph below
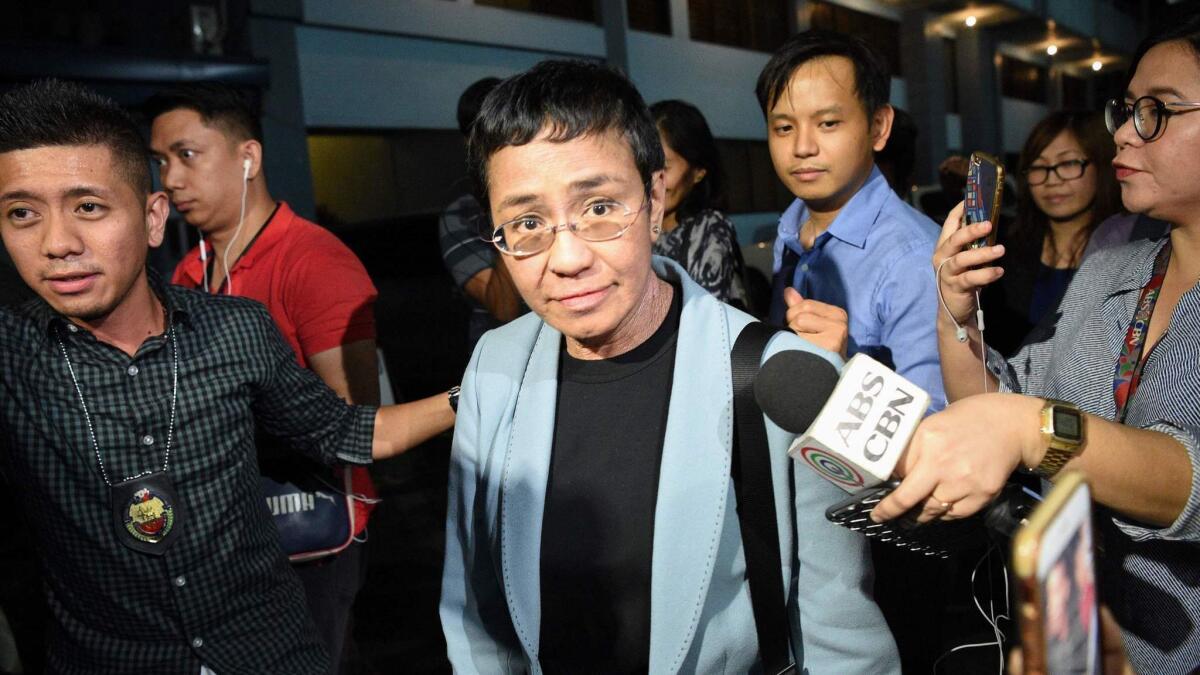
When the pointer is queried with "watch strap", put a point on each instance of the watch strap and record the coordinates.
(1053, 462)
(1059, 450)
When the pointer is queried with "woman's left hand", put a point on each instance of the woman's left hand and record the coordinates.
(961, 270)
(960, 458)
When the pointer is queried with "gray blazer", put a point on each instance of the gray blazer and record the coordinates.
(700, 614)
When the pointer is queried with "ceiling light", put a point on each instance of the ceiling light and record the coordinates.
(1096, 65)
(1052, 49)
(971, 21)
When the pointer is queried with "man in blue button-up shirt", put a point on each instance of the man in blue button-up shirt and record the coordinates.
(852, 268)
(850, 254)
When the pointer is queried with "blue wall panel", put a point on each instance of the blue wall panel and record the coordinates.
(360, 80)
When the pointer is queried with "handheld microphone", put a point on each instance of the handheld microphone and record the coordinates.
(855, 439)
(792, 386)
(859, 434)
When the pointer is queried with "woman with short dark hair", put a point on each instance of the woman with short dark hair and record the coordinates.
(592, 524)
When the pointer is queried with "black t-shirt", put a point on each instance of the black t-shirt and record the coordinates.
(598, 527)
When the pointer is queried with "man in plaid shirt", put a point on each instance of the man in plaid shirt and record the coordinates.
(127, 416)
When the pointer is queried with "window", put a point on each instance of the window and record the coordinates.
(1109, 84)
(751, 183)
(1011, 161)
(580, 10)
(652, 16)
(1074, 93)
(134, 27)
(882, 34)
(381, 192)
(950, 73)
(761, 25)
(363, 177)
(1026, 81)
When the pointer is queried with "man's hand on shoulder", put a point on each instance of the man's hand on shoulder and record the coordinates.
(825, 325)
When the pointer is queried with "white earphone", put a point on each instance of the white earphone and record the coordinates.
(204, 263)
(246, 164)
(241, 220)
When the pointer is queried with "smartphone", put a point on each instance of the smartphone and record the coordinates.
(938, 538)
(985, 188)
(1054, 565)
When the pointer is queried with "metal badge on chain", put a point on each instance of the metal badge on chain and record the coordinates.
(146, 511)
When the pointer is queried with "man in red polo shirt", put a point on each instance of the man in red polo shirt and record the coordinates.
(207, 141)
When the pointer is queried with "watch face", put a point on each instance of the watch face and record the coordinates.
(1066, 424)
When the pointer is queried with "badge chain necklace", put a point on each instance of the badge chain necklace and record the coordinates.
(88, 418)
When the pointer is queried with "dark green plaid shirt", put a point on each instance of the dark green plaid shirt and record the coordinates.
(223, 594)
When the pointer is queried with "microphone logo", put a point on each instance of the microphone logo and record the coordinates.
(864, 426)
(832, 468)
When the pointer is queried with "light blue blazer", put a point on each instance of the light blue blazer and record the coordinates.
(700, 615)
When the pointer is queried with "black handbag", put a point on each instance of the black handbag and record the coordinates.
(312, 507)
(752, 483)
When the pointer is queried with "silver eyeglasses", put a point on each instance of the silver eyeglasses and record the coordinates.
(602, 219)
(1149, 114)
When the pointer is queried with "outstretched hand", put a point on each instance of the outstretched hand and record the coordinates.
(960, 458)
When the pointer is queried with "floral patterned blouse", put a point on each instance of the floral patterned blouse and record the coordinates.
(705, 243)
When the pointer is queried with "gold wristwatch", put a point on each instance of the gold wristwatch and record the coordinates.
(1063, 433)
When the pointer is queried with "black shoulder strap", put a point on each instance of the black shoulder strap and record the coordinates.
(756, 503)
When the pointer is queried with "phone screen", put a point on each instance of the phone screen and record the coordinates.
(1067, 577)
(982, 198)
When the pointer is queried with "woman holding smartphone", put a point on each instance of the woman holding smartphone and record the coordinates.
(1112, 391)
(1065, 188)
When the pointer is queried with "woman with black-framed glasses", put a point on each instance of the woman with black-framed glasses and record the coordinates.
(1066, 187)
(1118, 363)
(1149, 114)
